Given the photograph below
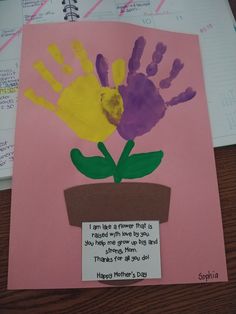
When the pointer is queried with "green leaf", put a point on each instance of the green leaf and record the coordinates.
(139, 165)
(95, 167)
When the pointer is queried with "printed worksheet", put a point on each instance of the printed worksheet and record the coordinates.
(13, 14)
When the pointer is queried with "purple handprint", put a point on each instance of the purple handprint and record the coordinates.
(143, 104)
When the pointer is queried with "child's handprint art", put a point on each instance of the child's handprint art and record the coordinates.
(84, 104)
(112, 144)
(143, 103)
(94, 109)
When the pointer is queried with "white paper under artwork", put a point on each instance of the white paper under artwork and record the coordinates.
(120, 250)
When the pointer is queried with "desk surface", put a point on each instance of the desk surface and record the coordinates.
(197, 298)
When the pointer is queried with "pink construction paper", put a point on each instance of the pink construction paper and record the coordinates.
(45, 251)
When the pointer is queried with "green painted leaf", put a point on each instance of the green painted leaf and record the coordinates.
(139, 165)
(95, 167)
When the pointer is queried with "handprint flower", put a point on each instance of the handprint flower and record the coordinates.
(94, 110)
(143, 103)
(85, 104)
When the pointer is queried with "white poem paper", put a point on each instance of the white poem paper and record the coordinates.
(120, 250)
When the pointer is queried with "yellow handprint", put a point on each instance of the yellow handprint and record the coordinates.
(90, 108)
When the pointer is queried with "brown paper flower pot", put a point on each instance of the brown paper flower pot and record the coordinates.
(117, 202)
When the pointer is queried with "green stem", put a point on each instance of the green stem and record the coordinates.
(125, 153)
(105, 152)
(107, 155)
